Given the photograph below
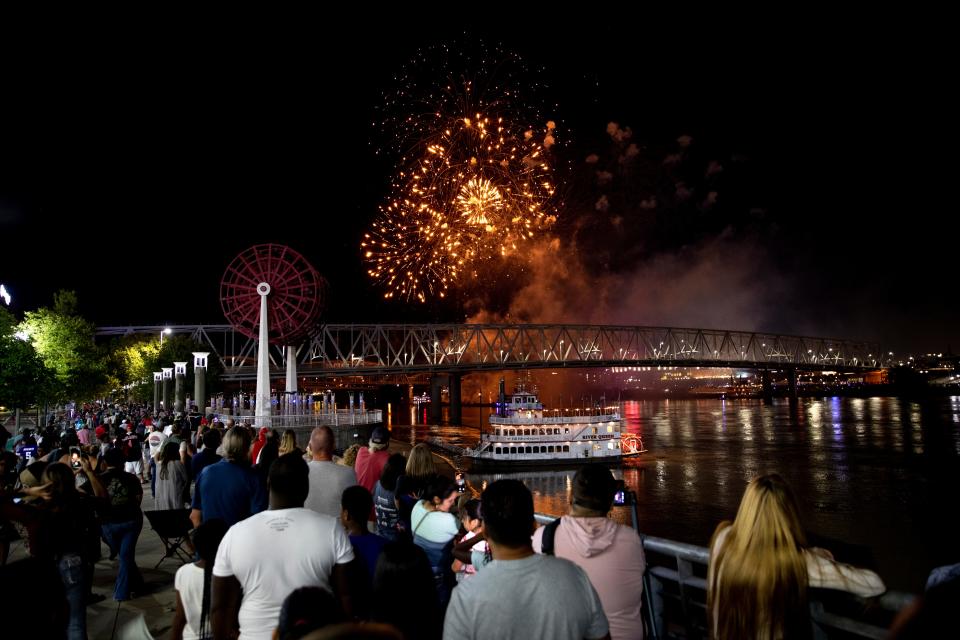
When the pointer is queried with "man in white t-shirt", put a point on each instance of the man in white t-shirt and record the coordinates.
(327, 478)
(268, 555)
(155, 441)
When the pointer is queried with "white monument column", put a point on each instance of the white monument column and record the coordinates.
(263, 361)
(167, 377)
(200, 380)
(157, 379)
(180, 372)
(291, 369)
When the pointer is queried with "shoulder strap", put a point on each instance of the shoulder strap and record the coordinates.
(546, 542)
(421, 521)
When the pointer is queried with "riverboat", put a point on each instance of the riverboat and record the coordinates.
(523, 433)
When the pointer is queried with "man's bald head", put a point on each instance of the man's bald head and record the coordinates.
(321, 443)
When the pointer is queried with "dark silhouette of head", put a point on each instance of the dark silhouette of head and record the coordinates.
(507, 507)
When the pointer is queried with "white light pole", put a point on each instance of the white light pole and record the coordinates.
(168, 331)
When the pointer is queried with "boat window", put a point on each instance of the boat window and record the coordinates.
(529, 449)
(610, 428)
(566, 430)
(526, 432)
(550, 449)
(496, 451)
(556, 431)
(536, 449)
(566, 448)
(596, 447)
(594, 431)
(610, 445)
(497, 430)
(513, 449)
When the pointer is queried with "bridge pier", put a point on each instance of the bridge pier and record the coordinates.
(435, 412)
(767, 384)
(792, 383)
(456, 413)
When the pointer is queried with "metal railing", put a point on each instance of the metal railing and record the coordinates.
(677, 595)
(330, 418)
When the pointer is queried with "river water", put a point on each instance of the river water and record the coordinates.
(877, 479)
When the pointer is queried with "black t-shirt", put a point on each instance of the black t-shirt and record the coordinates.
(123, 496)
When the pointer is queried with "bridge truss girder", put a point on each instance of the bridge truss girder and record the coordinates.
(413, 350)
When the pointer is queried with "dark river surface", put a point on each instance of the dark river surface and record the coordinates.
(877, 479)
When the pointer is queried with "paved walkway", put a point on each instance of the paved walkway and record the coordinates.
(156, 606)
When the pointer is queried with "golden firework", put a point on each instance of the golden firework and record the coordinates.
(475, 193)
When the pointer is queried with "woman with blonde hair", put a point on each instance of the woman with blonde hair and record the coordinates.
(760, 568)
(288, 443)
(418, 473)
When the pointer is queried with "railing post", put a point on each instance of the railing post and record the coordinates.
(685, 571)
(657, 615)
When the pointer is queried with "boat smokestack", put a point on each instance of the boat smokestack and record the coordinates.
(502, 398)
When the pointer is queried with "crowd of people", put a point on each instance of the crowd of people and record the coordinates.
(292, 541)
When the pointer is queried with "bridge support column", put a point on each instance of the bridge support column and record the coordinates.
(792, 384)
(767, 384)
(456, 414)
(436, 411)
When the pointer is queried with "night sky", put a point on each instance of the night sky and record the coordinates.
(133, 168)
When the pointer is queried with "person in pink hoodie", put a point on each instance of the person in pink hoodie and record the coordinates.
(611, 554)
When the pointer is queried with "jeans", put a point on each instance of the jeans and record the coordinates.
(122, 538)
(74, 583)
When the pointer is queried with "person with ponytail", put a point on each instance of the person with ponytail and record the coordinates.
(760, 569)
(192, 583)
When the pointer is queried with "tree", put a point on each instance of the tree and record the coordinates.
(24, 380)
(65, 343)
(129, 364)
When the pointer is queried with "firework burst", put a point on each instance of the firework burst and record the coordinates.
(473, 186)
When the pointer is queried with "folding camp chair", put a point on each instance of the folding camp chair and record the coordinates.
(172, 526)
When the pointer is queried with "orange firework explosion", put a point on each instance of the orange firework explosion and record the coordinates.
(475, 191)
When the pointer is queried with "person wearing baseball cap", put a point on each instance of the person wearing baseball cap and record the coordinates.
(370, 460)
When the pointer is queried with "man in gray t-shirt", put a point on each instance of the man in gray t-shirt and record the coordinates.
(327, 478)
(520, 594)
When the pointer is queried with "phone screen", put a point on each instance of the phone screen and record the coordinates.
(75, 461)
(619, 497)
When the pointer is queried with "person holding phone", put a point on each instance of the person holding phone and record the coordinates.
(610, 553)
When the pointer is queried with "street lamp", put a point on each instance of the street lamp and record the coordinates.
(166, 330)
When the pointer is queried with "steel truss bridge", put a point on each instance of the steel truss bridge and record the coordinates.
(395, 352)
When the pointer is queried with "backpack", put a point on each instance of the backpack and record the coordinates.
(131, 448)
(549, 532)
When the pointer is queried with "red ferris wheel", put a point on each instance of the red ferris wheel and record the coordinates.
(295, 293)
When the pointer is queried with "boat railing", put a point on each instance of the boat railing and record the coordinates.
(607, 417)
(676, 598)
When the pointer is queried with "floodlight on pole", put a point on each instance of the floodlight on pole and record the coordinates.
(166, 330)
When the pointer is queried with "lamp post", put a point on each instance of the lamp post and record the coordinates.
(166, 330)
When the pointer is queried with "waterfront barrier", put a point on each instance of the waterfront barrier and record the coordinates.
(676, 600)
